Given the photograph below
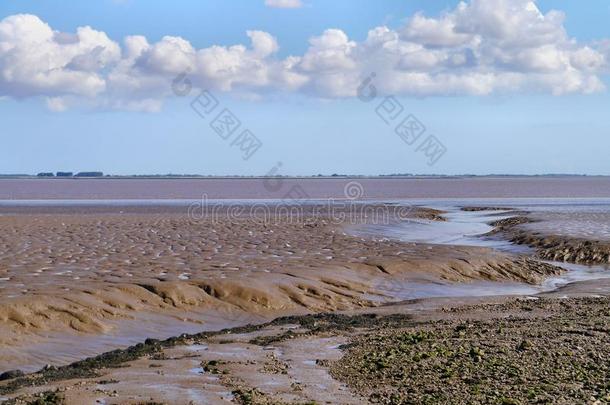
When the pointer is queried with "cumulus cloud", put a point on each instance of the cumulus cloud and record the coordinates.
(479, 48)
(35, 60)
(284, 3)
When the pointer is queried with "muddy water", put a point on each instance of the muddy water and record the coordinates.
(461, 228)
(256, 188)
(587, 218)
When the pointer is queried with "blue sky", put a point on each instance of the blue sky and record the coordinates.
(311, 130)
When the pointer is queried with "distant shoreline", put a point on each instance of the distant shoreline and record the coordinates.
(313, 177)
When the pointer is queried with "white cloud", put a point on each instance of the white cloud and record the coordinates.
(284, 3)
(171, 55)
(35, 60)
(263, 43)
(479, 48)
(57, 104)
(435, 32)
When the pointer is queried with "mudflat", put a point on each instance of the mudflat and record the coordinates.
(132, 276)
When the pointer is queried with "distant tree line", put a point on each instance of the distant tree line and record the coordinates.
(71, 174)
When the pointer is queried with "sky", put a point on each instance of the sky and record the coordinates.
(305, 87)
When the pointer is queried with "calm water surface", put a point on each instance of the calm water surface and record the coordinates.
(396, 188)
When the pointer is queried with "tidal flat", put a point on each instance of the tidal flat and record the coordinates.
(349, 302)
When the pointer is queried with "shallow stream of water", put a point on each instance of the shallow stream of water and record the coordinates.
(468, 228)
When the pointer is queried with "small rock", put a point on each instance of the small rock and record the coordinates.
(9, 375)
(524, 345)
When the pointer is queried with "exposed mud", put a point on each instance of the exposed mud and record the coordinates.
(462, 353)
(89, 368)
(86, 274)
(479, 209)
(552, 247)
(505, 224)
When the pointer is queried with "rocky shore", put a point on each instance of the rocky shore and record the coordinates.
(560, 248)
(548, 351)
